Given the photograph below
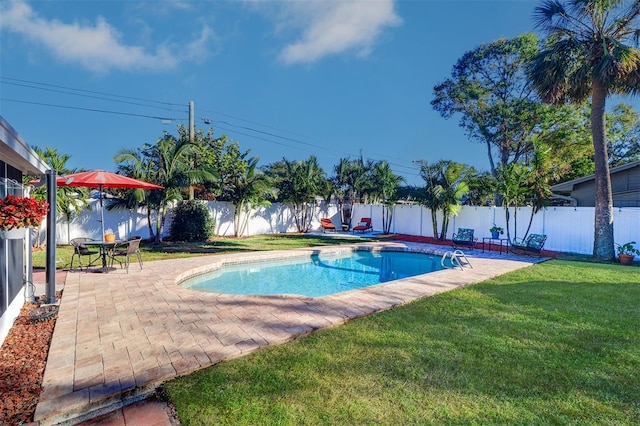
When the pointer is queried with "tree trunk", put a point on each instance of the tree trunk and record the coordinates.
(150, 225)
(445, 225)
(387, 217)
(506, 221)
(603, 244)
(434, 223)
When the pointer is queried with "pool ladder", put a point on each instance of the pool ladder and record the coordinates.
(457, 259)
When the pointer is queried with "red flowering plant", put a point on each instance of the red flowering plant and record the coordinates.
(20, 212)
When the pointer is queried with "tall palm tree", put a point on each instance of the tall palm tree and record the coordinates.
(430, 174)
(133, 163)
(446, 185)
(69, 200)
(452, 189)
(591, 50)
(386, 185)
(350, 182)
(539, 179)
(511, 184)
(307, 179)
(251, 189)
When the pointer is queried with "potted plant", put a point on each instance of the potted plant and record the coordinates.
(496, 231)
(109, 235)
(18, 213)
(626, 252)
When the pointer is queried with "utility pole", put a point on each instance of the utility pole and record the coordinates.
(192, 125)
(192, 138)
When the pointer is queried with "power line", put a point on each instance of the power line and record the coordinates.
(45, 86)
(89, 109)
(296, 141)
(93, 97)
(168, 106)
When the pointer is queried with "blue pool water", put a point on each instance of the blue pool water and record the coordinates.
(316, 275)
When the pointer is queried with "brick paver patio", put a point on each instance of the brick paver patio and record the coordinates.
(118, 336)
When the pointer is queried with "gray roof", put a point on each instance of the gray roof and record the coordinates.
(17, 153)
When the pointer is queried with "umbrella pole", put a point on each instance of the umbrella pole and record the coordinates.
(101, 212)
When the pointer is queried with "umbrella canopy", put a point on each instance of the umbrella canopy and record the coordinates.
(102, 179)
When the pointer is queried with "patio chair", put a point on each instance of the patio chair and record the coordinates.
(326, 223)
(126, 250)
(532, 244)
(364, 225)
(463, 238)
(80, 249)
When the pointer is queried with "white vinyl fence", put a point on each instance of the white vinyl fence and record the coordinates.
(569, 229)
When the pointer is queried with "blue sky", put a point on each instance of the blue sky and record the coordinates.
(284, 78)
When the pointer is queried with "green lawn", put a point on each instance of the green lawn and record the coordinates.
(555, 343)
(169, 250)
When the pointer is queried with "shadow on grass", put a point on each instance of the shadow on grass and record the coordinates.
(234, 245)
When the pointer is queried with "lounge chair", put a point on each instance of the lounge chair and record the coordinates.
(463, 238)
(326, 223)
(532, 244)
(364, 225)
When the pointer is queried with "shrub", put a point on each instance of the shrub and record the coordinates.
(191, 222)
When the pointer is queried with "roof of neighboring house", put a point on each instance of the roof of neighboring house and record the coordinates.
(17, 153)
(568, 185)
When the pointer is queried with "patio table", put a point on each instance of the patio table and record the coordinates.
(106, 249)
(501, 242)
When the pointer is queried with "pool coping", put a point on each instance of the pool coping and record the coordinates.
(119, 336)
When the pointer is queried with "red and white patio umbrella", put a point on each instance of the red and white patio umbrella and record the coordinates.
(102, 179)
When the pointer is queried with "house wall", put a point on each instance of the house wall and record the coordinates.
(11, 257)
(625, 186)
(16, 158)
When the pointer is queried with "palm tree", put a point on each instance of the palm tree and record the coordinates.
(539, 179)
(446, 186)
(452, 189)
(250, 189)
(386, 185)
(69, 200)
(430, 174)
(350, 182)
(306, 183)
(511, 183)
(133, 163)
(591, 50)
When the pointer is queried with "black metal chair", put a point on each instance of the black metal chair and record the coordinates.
(532, 244)
(80, 249)
(132, 248)
(463, 238)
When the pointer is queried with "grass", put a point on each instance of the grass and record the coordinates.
(555, 343)
(170, 250)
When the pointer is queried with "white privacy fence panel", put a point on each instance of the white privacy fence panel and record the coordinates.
(406, 220)
(568, 229)
(87, 223)
(480, 219)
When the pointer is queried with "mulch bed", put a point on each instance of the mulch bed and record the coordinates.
(23, 357)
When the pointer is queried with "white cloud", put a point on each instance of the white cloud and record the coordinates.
(333, 27)
(96, 47)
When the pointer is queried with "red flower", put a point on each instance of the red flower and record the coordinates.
(20, 212)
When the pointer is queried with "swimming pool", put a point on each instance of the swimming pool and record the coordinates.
(314, 276)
